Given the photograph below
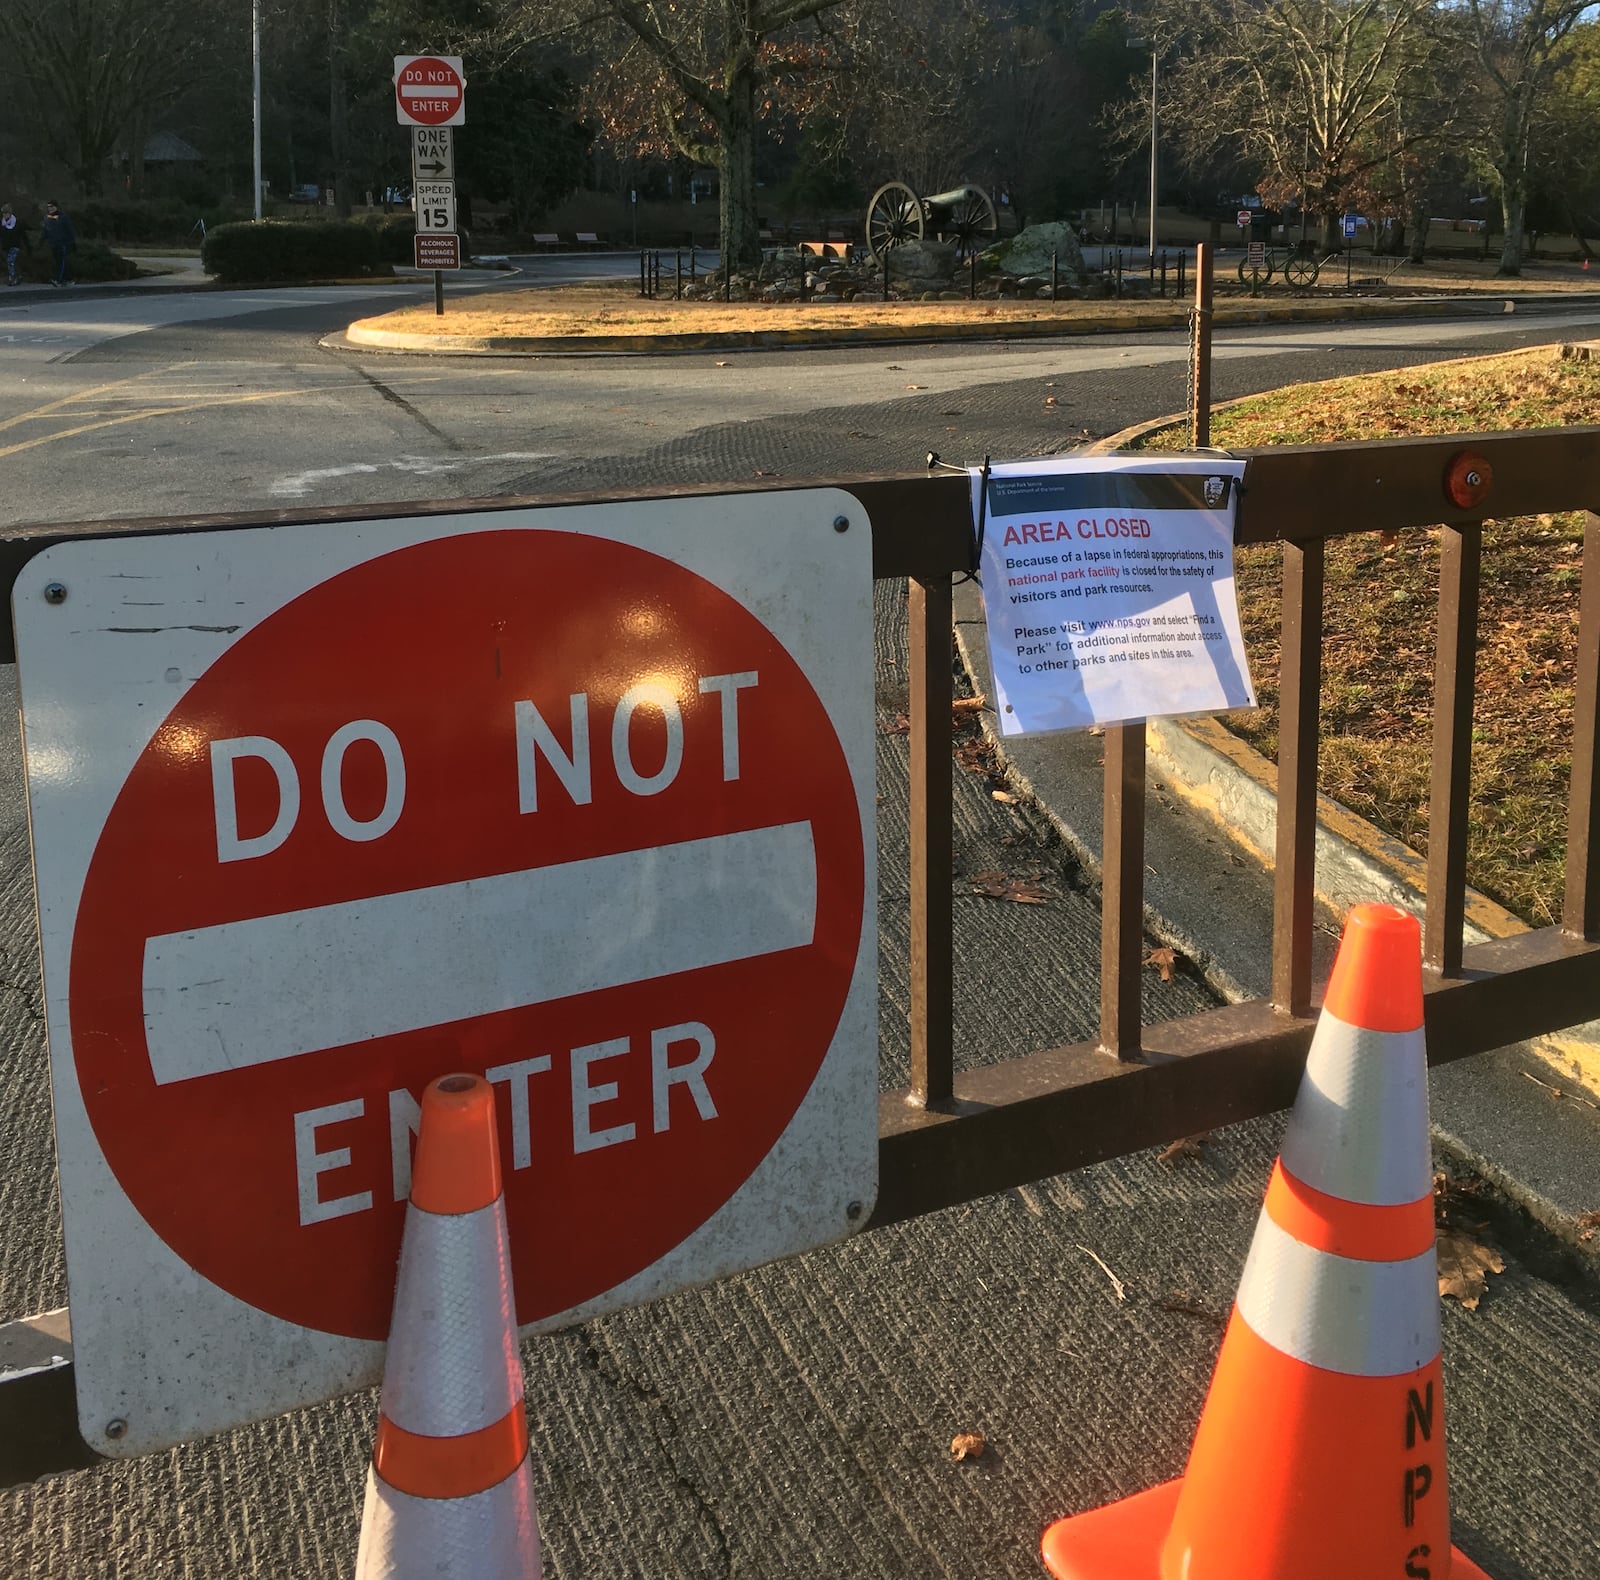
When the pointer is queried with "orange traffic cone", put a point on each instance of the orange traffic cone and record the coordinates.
(1320, 1452)
(450, 1488)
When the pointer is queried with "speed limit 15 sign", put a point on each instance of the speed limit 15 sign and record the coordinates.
(436, 207)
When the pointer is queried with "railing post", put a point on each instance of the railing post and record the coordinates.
(1122, 890)
(1299, 688)
(1580, 913)
(932, 870)
(1450, 792)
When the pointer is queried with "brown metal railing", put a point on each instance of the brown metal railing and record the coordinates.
(950, 1137)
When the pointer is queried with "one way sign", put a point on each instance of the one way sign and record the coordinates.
(433, 154)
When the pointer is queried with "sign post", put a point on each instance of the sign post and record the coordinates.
(1349, 227)
(579, 799)
(431, 97)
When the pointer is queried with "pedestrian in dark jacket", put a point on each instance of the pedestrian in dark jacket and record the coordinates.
(13, 238)
(60, 238)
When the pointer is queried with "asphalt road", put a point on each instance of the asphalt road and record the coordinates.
(793, 1421)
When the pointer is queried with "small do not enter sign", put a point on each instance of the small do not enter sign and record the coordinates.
(553, 807)
(430, 90)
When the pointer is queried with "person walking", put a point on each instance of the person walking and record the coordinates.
(13, 238)
(60, 238)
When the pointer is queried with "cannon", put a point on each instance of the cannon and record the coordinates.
(897, 215)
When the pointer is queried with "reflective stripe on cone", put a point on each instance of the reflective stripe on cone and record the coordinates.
(450, 1488)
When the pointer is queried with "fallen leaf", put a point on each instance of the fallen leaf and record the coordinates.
(1164, 960)
(967, 1445)
(966, 704)
(1049, 400)
(1589, 1222)
(1464, 1267)
(899, 725)
(916, 386)
(722, 364)
(1002, 886)
(1184, 1147)
(1004, 796)
(1025, 892)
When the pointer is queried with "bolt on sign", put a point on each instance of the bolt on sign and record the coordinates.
(430, 90)
(579, 799)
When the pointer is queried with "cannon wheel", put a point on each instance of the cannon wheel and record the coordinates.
(1301, 270)
(971, 223)
(894, 217)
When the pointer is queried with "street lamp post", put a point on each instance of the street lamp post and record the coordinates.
(1150, 44)
(255, 95)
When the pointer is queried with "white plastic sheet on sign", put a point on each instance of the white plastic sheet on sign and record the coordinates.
(1108, 589)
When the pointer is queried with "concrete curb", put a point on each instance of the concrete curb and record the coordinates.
(365, 334)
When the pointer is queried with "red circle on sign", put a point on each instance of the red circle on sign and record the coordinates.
(438, 643)
(429, 90)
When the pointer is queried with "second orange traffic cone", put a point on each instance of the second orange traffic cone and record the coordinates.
(450, 1488)
(1320, 1451)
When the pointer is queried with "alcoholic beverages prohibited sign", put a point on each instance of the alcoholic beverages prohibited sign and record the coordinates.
(579, 799)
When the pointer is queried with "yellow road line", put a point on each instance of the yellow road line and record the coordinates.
(82, 395)
(141, 416)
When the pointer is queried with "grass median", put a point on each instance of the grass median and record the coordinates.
(1381, 616)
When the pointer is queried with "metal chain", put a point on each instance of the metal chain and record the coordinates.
(1193, 374)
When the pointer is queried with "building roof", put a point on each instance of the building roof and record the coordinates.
(167, 148)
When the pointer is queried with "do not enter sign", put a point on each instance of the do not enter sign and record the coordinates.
(430, 90)
(580, 809)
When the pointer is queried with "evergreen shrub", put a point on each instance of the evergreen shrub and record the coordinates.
(293, 250)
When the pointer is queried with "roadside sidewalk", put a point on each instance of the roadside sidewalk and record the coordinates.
(175, 272)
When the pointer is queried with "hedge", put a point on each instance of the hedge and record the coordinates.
(293, 250)
(89, 262)
(146, 223)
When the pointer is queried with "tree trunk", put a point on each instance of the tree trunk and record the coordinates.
(1514, 202)
(1417, 252)
(338, 111)
(740, 227)
(137, 132)
(1577, 224)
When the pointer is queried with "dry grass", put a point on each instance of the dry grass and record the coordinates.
(1381, 611)
(619, 310)
(615, 307)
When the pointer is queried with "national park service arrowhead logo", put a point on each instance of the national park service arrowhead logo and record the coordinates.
(1216, 492)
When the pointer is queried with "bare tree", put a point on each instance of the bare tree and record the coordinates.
(705, 78)
(1305, 89)
(1518, 44)
(696, 76)
(97, 68)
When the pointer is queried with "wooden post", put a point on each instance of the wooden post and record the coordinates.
(1200, 352)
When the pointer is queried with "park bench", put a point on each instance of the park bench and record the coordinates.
(587, 238)
(546, 239)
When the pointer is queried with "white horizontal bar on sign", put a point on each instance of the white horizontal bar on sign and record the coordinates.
(430, 90)
(273, 987)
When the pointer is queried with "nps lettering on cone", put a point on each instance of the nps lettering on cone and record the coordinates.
(450, 1488)
(576, 800)
(1320, 1451)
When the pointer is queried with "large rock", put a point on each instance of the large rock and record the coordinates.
(927, 260)
(1029, 252)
